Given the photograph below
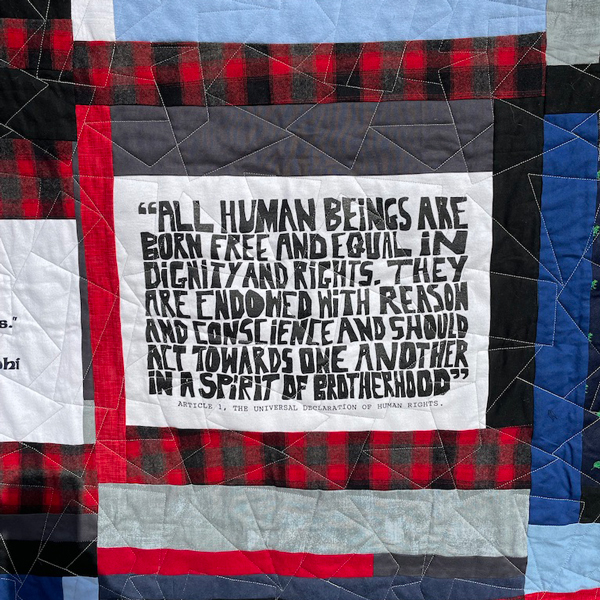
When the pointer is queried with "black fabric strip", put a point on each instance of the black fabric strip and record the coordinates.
(52, 527)
(37, 105)
(449, 567)
(48, 559)
(518, 149)
(573, 89)
(35, 9)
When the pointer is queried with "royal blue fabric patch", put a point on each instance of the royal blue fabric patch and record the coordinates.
(31, 587)
(568, 208)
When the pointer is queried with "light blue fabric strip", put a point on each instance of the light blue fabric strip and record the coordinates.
(321, 21)
(80, 588)
(220, 518)
(563, 558)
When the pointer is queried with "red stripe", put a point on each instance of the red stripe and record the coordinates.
(94, 152)
(166, 561)
(593, 594)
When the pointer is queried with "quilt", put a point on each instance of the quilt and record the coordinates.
(299, 300)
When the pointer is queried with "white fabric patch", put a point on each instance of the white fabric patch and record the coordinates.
(40, 333)
(253, 327)
(93, 20)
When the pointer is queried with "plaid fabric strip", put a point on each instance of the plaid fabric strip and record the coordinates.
(36, 179)
(108, 73)
(34, 44)
(476, 459)
(47, 478)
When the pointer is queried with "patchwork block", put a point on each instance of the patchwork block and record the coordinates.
(299, 300)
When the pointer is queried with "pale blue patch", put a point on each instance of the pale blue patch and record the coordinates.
(320, 21)
(80, 588)
(563, 558)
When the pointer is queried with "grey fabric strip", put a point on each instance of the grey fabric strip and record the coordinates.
(573, 32)
(49, 527)
(449, 567)
(89, 412)
(345, 138)
(224, 518)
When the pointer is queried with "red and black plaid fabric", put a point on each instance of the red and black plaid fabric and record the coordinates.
(36, 179)
(108, 73)
(476, 459)
(35, 44)
(47, 478)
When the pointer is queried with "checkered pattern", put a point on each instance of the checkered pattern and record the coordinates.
(47, 478)
(34, 44)
(477, 459)
(36, 179)
(110, 73)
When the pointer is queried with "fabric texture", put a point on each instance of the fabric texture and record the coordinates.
(486, 459)
(358, 521)
(573, 37)
(36, 179)
(294, 141)
(325, 21)
(47, 478)
(183, 74)
(33, 44)
(299, 300)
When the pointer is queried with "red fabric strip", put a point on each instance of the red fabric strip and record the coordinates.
(166, 561)
(96, 180)
(593, 594)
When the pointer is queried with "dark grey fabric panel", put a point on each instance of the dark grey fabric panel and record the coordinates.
(49, 527)
(465, 567)
(268, 587)
(89, 417)
(348, 138)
